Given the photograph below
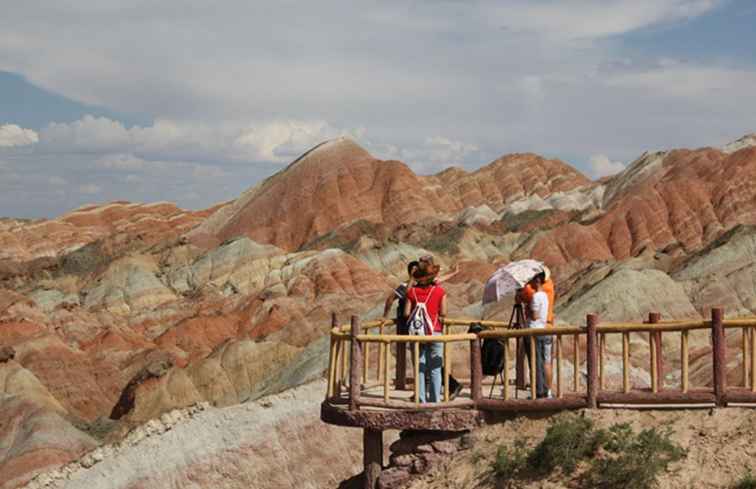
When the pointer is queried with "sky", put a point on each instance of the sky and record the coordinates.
(193, 101)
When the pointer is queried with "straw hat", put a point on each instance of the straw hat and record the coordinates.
(427, 271)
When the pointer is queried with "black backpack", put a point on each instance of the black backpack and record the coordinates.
(492, 352)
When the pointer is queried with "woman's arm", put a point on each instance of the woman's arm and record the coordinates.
(407, 305)
(444, 278)
(389, 301)
(442, 314)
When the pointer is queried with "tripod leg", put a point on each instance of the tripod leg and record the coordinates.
(490, 394)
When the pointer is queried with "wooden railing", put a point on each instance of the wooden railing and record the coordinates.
(360, 372)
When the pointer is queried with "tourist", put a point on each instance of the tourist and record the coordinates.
(538, 312)
(400, 294)
(454, 386)
(525, 297)
(433, 296)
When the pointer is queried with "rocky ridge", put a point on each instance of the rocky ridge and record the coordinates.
(253, 445)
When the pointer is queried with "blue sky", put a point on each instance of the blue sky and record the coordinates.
(192, 103)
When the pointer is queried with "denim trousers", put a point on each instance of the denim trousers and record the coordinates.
(431, 361)
(543, 355)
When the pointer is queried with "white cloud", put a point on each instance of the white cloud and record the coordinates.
(281, 141)
(587, 19)
(90, 189)
(602, 166)
(57, 181)
(200, 172)
(87, 134)
(447, 151)
(677, 80)
(436, 153)
(12, 135)
(121, 162)
(276, 141)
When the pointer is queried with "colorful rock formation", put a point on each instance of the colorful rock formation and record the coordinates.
(112, 315)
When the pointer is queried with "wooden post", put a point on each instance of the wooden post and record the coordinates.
(753, 360)
(372, 456)
(654, 318)
(720, 356)
(335, 384)
(476, 371)
(532, 366)
(365, 362)
(559, 366)
(591, 360)
(505, 360)
(576, 363)
(446, 371)
(401, 363)
(652, 360)
(386, 386)
(602, 352)
(381, 347)
(355, 372)
(331, 370)
(744, 348)
(684, 359)
(626, 362)
(416, 350)
(344, 363)
(337, 367)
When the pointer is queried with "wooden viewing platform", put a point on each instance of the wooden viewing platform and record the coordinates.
(365, 391)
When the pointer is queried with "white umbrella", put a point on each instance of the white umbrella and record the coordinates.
(509, 278)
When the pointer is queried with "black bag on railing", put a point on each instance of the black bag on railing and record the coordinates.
(492, 352)
(492, 356)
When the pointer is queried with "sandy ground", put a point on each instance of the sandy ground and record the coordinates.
(721, 448)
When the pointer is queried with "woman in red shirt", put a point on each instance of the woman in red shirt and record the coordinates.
(423, 289)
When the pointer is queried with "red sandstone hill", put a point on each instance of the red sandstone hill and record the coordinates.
(338, 183)
(677, 202)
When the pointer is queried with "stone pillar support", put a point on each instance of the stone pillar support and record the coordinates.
(372, 455)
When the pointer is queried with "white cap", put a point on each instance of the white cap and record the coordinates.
(546, 273)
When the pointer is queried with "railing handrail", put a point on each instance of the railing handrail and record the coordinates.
(342, 337)
(492, 327)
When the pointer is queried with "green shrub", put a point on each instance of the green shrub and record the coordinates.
(748, 481)
(632, 461)
(568, 441)
(511, 462)
(617, 458)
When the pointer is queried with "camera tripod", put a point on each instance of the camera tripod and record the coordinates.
(516, 321)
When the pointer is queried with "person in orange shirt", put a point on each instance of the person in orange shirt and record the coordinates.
(526, 296)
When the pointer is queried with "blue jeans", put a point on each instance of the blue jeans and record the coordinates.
(431, 360)
(543, 356)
